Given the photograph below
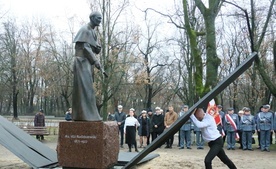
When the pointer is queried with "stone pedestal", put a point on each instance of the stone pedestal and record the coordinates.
(88, 144)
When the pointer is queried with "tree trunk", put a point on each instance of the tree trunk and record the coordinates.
(196, 57)
(213, 61)
(260, 66)
(150, 90)
(274, 56)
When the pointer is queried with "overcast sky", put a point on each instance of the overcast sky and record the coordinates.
(62, 8)
(57, 12)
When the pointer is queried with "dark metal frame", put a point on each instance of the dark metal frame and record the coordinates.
(202, 102)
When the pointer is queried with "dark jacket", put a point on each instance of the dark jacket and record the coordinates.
(120, 117)
(111, 117)
(68, 116)
(39, 120)
(147, 127)
(159, 121)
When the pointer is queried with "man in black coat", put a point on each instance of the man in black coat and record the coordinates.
(39, 120)
(157, 123)
(120, 118)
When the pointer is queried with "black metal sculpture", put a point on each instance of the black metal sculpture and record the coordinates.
(201, 103)
(84, 101)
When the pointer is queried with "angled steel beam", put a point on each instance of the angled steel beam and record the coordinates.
(202, 102)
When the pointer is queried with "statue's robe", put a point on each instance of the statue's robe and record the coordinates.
(84, 101)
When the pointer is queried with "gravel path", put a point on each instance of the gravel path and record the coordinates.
(172, 158)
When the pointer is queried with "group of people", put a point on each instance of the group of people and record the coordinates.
(234, 127)
(157, 122)
(152, 124)
(246, 125)
(240, 127)
(147, 123)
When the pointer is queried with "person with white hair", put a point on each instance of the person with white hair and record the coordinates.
(157, 123)
(120, 118)
(68, 115)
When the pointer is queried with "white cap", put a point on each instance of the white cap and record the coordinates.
(120, 106)
(144, 111)
(157, 108)
(132, 109)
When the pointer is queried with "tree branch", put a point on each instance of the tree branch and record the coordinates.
(266, 23)
(157, 65)
(200, 6)
(178, 26)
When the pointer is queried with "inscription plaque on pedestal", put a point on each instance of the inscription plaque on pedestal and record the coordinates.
(88, 144)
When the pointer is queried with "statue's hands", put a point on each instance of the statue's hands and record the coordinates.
(98, 65)
(96, 49)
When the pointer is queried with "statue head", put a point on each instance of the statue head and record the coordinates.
(95, 18)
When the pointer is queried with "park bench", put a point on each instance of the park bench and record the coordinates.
(36, 130)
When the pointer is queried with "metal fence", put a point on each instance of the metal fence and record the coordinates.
(51, 123)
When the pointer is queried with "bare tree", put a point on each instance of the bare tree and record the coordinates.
(117, 47)
(260, 40)
(150, 46)
(9, 42)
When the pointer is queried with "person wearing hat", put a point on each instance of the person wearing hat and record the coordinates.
(185, 130)
(230, 128)
(130, 126)
(120, 118)
(144, 129)
(240, 114)
(258, 131)
(265, 126)
(271, 133)
(157, 123)
(247, 124)
(39, 120)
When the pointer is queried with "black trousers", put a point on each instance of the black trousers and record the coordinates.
(170, 141)
(148, 138)
(240, 134)
(121, 131)
(258, 133)
(40, 137)
(155, 134)
(216, 149)
(271, 136)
